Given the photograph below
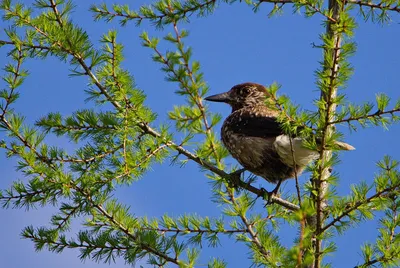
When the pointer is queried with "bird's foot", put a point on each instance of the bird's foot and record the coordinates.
(276, 189)
(234, 178)
(270, 196)
(273, 193)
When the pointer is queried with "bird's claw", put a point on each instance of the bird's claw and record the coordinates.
(270, 196)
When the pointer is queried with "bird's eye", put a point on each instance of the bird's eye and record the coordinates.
(244, 91)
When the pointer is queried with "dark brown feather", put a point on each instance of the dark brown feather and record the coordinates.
(254, 137)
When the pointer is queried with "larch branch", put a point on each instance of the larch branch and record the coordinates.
(149, 130)
(370, 4)
(363, 117)
(345, 213)
(320, 183)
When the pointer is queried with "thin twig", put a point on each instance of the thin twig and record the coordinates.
(363, 117)
(86, 160)
(201, 231)
(384, 258)
(16, 74)
(26, 45)
(380, 5)
(357, 205)
(302, 2)
(127, 232)
(282, 110)
(295, 170)
(195, 98)
(249, 226)
(158, 18)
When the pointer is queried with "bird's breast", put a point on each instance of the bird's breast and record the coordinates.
(268, 156)
(249, 151)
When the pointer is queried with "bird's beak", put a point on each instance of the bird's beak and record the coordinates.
(223, 97)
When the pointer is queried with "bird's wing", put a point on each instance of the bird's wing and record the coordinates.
(253, 124)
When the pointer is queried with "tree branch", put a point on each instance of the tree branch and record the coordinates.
(26, 45)
(16, 75)
(86, 160)
(63, 245)
(128, 233)
(147, 13)
(149, 130)
(371, 262)
(370, 4)
(249, 226)
(195, 98)
(377, 114)
(379, 194)
(327, 113)
(190, 230)
(300, 3)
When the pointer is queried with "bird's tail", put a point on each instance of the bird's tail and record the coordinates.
(344, 146)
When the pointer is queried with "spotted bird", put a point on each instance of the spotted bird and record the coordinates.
(255, 138)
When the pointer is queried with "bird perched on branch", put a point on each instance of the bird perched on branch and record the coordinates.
(255, 138)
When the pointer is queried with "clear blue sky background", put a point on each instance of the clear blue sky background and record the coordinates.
(234, 45)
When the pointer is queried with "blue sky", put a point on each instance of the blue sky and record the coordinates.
(233, 45)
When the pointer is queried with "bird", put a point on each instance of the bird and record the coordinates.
(255, 138)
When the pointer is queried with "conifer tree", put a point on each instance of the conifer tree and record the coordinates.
(117, 141)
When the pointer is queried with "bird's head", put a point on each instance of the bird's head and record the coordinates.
(242, 95)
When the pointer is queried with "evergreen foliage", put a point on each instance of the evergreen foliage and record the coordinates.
(118, 142)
